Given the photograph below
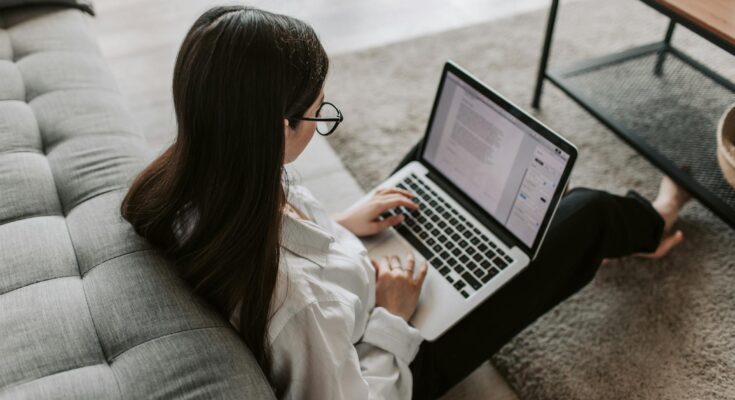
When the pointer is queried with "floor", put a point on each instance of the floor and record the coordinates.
(139, 38)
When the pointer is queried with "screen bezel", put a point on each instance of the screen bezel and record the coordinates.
(544, 131)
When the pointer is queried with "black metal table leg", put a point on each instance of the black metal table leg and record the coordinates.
(545, 54)
(667, 45)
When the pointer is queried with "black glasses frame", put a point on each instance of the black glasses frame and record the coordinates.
(337, 120)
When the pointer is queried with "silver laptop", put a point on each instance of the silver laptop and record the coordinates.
(488, 181)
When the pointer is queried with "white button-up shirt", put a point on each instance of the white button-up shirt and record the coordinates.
(328, 339)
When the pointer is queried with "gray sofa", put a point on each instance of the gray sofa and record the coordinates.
(88, 310)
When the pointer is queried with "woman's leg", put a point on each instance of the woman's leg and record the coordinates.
(589, 225)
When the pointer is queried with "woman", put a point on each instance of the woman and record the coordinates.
(322, 319)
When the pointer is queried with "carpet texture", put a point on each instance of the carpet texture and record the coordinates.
(642, 329)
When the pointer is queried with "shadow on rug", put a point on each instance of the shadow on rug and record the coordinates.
(642, 329)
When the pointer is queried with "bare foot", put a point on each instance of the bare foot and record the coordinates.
(671, 198)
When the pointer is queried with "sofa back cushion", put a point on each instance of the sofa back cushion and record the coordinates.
(88, 309)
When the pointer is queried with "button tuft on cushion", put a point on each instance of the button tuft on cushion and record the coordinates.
(28, 187)
(11, 86)
(142, 290)
(52, 316)
(67, 114)
(18, 128)
(90, 166)
(52, 71)
(99, 231)
(34, 250)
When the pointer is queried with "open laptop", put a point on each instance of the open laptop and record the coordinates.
(488, 181)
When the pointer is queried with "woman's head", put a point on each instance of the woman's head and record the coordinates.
(243, 78)
(264, 70)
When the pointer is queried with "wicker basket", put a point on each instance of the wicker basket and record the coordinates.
(726, 145)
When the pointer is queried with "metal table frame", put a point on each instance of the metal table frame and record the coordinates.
(663, 49)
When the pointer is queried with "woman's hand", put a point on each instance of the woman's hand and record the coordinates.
(396, 289)
(364, 219)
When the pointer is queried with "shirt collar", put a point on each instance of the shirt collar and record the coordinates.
(305, 239)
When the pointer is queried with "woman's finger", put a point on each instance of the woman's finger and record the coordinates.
(410, 263)
(384, 265)
(422, 274)
(396, 200)
(388, 222)
(395, 190)
(395, 262)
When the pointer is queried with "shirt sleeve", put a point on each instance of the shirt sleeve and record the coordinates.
(316, 358)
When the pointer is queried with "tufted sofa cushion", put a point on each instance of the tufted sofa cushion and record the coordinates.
(88, 310)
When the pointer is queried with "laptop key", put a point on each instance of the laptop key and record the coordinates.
(456, 237)
(452, 262)
(464, 294)
(463, 259)
(475, 240)
(415, 242)
(508, 259)
(482, 247)
(445, 271)
(459, 285)
(450, 279)
(500, 263)
(457, 252)
(449, 245)
(471, 280)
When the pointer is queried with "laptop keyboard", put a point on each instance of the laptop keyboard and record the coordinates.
(466, 257)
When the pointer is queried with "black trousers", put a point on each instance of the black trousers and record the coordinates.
(589, 225)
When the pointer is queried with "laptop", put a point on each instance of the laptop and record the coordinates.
(488, 181)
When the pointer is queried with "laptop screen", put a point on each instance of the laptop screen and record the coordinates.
(501, 163)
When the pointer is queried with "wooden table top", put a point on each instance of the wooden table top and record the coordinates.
(715, 16)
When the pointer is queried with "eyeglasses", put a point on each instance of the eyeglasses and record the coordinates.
(327, 118)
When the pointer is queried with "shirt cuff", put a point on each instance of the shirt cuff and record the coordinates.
(393, 334)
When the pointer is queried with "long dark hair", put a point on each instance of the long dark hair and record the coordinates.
(240, 71)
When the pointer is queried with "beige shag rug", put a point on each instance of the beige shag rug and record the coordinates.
(642, 329)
